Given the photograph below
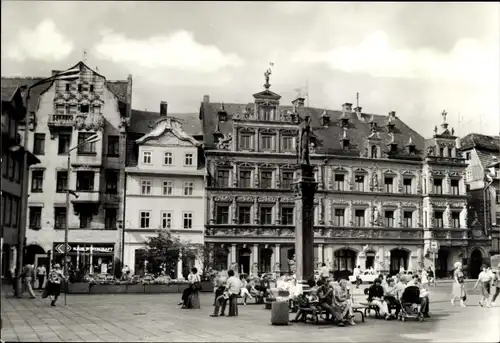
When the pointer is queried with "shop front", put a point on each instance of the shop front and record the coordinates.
(93, 258)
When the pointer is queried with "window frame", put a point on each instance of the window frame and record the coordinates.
(88, 148)
(146, 184)
(248, 216)
(187, 216)
(40, 173)
(113, 219)
(389, 187)
(65, 187)
(455, 220)
(269, 138)
(168, 158)
(107, 174)
(358, 184)
(240, 184)
(407, 222)
(264, 215)
(79, 179)
(220, 214)
(439, 221)
(188, 157)
(336, 183)
(166, 219)
(60, 217)
(66, 135)
(362, 222)
(284, 144)
(436, 188)
(34, 210)
(455, 190)
(145, 215)
(287, 185)
(389, 221)
(39, 141)
(113, 148)
(270, 180)
(188, 188)
(167, 185)
(243, 139)
(289, 215)
(408, 189)
(339, 220)
(147, 155)
(224, 171)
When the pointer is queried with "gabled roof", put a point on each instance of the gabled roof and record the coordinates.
(142, 121)
(8, 92)
(480, 142)
(168, 124)
(118, 88)
(487, 158)
(329, 137)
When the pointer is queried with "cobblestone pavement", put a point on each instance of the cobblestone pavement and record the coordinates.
(154, 318)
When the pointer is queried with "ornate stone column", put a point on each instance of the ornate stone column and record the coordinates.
(234, 176)
(256, 218)
(234, 211)
(277, 210)
(255, 260)
(277, 258)
(320, 253)
(305, 188)
(256, 176)
(233, 253)
(320, 177)
(321, 208)
(211, 209)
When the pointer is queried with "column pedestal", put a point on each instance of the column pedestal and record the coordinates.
(304, 226)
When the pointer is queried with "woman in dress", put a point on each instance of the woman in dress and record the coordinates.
(54, 282)
(424, 279)
(244, 292)
(458, 289)
(192, 290)
(484, 279)
(342, 302)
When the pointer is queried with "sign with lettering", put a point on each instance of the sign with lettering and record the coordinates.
(82, 248)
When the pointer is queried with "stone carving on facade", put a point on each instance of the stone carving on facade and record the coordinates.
(277, 267)
(287, 199)
(245, 199)
(376, 219)
(408, 204)
(225, 142)
(124, 122)
(431, 151)
(269, 232)
(287, 232)
(447, 215)
(246, 232)
(224, 232)
(374, 186)
(222, 198)
(439, 204)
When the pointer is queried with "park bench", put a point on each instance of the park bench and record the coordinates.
(313, 313)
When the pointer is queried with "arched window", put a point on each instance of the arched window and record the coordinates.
(374, 151)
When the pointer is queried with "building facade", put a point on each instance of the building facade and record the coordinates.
(13, 112)
(384, 192)
(482, 154)
(62, 115)
(165, 191)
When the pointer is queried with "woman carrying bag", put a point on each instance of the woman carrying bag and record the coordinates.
(52, 287)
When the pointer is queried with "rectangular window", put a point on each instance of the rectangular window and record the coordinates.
(188, 188)
(96, 109)
(37, 181)
(67, 87)
(288, 144)
(85, 181)
(113, 146)
(266, 143)
(245, 142)
(359, 181)
(145, 217)
(408, 219)
(188, 159)
(389, 218)
(266, 215)
(79, 87)
(287, 215)
(110, 218)
(59, 218)
(455, 190)
(359, 218)
(72, 109)
(146, 157)
(89, 147)
(187, 219)
(168, 187)
(111, 177)
(266, 179)
(61, 109)
(245, 179)
(244, 214)
(39, 144)
(388, 184)
(84, 108)
(338, 218)
(339, 182)
(168, 159)
(407, 185)
(222, 214)
(223, 178)
(287, 180)
(146, 187)
(63, 143)
(15, 207)
(438, 216)
(468, 156)
(455, 220)
(266, 115)
(8, 210)
(62, 181)
(35, 217)
(91, 88)
(438, 186)
(166, 220)
(497, 196)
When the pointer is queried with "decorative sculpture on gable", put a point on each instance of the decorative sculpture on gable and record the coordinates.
(430, 151)
(225, 142)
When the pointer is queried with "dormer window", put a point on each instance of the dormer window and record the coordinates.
(266, 114)
(374, 151)
(344, 122)
(222, 114)
(345, 140)
(390, 127)
(393, 146)
(441, 152)
(325, 119)
(410, 146)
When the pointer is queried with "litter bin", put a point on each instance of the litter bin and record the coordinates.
(279, 313)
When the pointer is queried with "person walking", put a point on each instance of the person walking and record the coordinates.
(458, 289)
(495, 285)
(54, 281)
(41, 272)
(28, 277)
(357, 274)
(484, 279)
(325, 271)
(233, 288)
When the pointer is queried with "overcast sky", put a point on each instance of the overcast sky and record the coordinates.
(417, 59)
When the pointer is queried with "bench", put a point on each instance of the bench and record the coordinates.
(368, 307)
(314, 313)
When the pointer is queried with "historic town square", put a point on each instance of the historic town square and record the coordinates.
(250, 171)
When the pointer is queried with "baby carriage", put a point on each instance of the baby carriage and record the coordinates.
(410, 304)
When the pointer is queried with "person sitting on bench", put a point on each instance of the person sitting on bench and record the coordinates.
(376, 297)
(325, 295)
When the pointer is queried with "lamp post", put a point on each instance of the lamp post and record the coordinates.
(68, 75)
(89, 140)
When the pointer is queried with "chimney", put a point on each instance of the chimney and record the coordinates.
(55, 72)
(298, 103)
(206, 99)
(358, 110)
(163, 108)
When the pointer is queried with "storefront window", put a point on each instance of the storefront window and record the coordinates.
(87, 258)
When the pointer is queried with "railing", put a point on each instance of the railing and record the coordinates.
(61, 119)
(442, 159)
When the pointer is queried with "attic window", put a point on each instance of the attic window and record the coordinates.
(325, 120)
(345, 143)
(344, 122)
(374, 151)
(91, 88)
(394, 147)
(84, 108)
(390, 127)
(79, 87)
(67, 87)
(411, 149)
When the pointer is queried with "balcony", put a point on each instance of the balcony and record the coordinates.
(86, 197)
(446, 160)
(61, 120)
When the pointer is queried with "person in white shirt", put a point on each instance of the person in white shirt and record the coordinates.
(357, 272)
(484, 279)
(325, 271)
(194, 281)
(372, 272)
(233, 288)
(40, 275)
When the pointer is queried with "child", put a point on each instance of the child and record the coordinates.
(244, 289)
(485, 279)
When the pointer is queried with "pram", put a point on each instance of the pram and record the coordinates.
(410, 304)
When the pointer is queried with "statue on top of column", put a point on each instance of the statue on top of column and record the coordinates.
(305, 139)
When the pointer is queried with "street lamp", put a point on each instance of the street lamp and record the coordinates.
(89, 140)
(68, 75)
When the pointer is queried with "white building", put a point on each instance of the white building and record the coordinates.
(165, 191)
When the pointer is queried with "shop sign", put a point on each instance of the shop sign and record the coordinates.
(85, 248)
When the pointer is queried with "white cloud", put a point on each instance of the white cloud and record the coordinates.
(469, 61)
(176, 51)
(44, 43)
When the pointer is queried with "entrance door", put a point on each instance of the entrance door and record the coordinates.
(41, 259)
(476, 260)
(370, 260)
